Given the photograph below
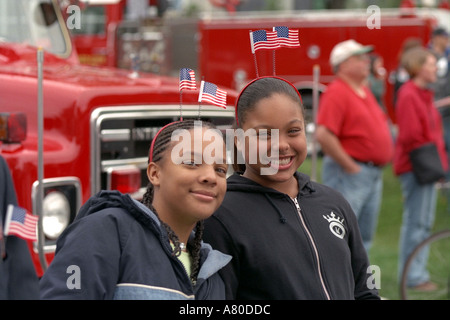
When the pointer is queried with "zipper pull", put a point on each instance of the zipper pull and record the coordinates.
(296, 204)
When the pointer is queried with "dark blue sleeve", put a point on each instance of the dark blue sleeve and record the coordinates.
(86, 262)
(18, 278)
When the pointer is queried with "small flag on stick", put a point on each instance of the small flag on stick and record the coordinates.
(287, 37)
(187, 79)
(209, 92)
(262, 39)
(20, 223)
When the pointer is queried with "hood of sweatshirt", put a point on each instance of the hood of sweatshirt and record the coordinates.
(114, 199)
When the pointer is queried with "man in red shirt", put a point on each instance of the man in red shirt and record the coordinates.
(354, 135)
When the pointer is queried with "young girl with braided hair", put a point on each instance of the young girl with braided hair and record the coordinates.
(157, 152)
(121, 248)
(290, 237)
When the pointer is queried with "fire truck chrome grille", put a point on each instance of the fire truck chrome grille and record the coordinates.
(121, 136)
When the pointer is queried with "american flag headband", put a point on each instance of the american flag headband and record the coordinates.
(187, 81)
(254, 80)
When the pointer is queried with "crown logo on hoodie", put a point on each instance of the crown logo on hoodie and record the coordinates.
(336, 225)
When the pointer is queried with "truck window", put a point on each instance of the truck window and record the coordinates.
(33, 22)
(93, 21)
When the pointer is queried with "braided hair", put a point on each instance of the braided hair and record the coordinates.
(159, 146)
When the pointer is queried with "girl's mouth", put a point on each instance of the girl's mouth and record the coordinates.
(204, 195)
(282, 163)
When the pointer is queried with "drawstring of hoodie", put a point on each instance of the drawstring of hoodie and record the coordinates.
(280, 214)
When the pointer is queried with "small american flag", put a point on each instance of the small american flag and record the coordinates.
(287, 37)
(209, 92)
(20, 223)
(262, 39)
(187, 79)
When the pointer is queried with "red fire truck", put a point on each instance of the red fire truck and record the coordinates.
(94, 125)
(222, 51)
(227, 63)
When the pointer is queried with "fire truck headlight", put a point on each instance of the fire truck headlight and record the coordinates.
(56, 214)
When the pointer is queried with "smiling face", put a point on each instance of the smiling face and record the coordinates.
(276, 117)
(193, 189)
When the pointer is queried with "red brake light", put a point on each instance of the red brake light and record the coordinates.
(125, 180)
(13, 127)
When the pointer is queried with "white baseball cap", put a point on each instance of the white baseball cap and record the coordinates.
(344, 50)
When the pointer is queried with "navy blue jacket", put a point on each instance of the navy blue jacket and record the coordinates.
(304, 248)
(117, 249)
(18, 278)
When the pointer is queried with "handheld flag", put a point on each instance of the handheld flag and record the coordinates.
(187, 79)
(262, 39)
(20, 223)
(209, 92)
(287, 37)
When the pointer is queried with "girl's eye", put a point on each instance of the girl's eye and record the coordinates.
(189, 162)
(264, 134)
(294, 130)
(222, 170)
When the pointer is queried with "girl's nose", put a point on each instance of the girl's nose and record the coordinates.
(282, 145)
(208, 174)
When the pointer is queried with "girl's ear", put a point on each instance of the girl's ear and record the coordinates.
(153, 173)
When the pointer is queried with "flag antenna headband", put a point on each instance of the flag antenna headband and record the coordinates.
(278, 37)
(187, 82)
(209, 92)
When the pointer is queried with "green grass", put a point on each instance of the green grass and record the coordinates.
(384, 251)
